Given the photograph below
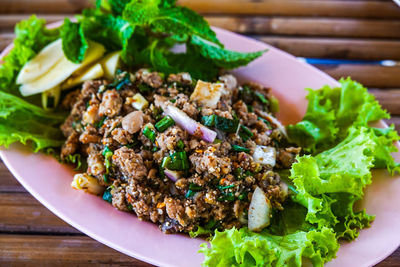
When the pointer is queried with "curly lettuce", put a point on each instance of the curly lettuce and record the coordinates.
(28, 124)
(245, 248)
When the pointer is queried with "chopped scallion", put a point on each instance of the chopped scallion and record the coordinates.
(164, 124)
(245, 133)
(195, 187)
(220, 187)
(150, 134)
(189, 194)
(237, 148)
(262, 98)
(179, 161)
(180, 145)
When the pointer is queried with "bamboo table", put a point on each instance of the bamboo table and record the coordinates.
(366, 30)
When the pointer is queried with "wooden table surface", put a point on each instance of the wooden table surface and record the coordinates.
(334, 29)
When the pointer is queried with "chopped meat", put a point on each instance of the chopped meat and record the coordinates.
(129, 163)
(111, 104)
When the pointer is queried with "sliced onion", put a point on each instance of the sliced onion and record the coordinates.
(272, 119)
(172, 175)
(190, 125)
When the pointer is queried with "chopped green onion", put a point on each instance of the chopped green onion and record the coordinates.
(226, 197)
(238, 173)
(245, 133)
(262, 98)
(220, 187)
(179, 161)
(243, 196)
(101, 122)
(266, 122)
(164, 124)
(150, 134)
(250, 108)
(195, 187)
(274, 106)
(189, 194)
(180, 145)
(105, 177)
(120, 83)
(172, 100)
(106, 150)
(208, 120)
(143, 88)
(165, 162)
(107, 196)
(156, 112)
(237, 148)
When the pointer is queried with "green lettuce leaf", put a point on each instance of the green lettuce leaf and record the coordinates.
(31, 36)
(114, 6)
(23, 122)
(244, 248)
(331, 112)
(330, 183)
(74, 43)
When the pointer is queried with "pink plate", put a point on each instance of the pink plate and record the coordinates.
(49, 181)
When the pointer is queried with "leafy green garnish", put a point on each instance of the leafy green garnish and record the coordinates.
(26, 123)
(74, 43)
(244, 248)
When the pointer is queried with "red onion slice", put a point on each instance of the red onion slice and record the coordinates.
(172, 175)
(190, 125)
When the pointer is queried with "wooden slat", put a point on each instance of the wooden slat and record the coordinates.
(369, 75)
(20, 212)
(308, 26)
(331, 8)
(7, 181)
(33, 250)
(44, 6)
(269, 25)
(389, 99)
(336, 48)
(5, 40)
(359, 9)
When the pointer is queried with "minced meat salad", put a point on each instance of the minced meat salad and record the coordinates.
(178, 152)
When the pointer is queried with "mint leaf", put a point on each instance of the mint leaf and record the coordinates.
(74, 43)
(113, 32)
(221, 57)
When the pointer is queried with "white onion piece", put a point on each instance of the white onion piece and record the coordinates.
(172, 175)
(190, 125)
(265, 155)
(272, 119)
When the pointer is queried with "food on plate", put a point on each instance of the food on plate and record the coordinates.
(187, 157)
(171, 136)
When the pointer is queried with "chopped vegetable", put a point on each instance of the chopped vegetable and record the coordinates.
(179, 161)
(245, 133)
(108, 153)
(149, 133)
(180, 145)
(164, 124)
(195, 187)
(262, 98)
(237, 148)
(265, 155)
(190, 125)
(107, 196)
(259, 211)
(221, 123)
(139, 102)
(172, 175)
(87, 183)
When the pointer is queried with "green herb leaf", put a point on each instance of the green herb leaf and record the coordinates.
(164, 124)
(221, 57)
(74, 43)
